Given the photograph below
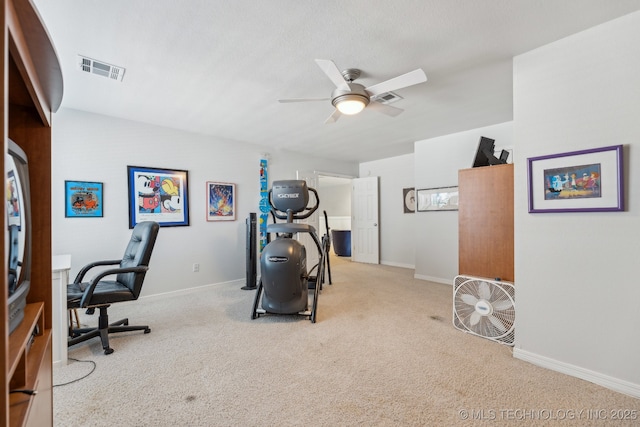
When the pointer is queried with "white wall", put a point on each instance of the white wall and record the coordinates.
(335, 198)
(577, 290)
(93, 147)
(437, 162)
(397, 239)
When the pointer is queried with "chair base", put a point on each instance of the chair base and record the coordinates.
(103, 330)
(73, 317)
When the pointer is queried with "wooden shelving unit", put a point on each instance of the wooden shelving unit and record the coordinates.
(485, 222)
(27, 352)
(32, 91)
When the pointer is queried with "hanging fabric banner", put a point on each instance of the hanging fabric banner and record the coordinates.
(264, 203)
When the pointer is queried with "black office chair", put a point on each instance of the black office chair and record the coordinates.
(102, 293)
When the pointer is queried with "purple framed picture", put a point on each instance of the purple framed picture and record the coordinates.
(578, 181)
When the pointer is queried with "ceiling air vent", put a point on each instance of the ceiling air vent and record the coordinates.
(100, 68)
(387, 98)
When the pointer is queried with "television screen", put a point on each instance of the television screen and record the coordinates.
(19, 233)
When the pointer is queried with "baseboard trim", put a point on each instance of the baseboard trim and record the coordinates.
(612, 383)
(240, 282)
(397, 264)
(433, 279)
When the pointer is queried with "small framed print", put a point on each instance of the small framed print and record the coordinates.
(437, 199)
(221, 201)
(409, 199)
(83, 199)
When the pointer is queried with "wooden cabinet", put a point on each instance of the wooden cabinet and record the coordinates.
(32, 90)
(485, 222)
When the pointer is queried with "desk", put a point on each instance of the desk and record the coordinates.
(61, 264)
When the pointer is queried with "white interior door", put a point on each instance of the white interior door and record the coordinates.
(365, 235)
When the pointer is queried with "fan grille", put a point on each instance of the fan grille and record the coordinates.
(485, 308)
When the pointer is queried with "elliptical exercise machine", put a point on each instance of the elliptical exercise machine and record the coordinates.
(284, 280)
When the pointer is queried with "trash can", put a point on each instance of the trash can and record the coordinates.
(341, 240)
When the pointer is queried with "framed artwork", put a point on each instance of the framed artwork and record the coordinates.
(221, 201)
(577, 181)
(437, 199)
(409, 200)
(82, 199)
(159, 195)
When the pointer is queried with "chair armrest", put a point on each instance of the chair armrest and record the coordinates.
(88, 267)
(88, 292)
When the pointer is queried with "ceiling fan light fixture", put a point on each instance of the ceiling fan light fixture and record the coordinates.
(350, 100)
(350, 106)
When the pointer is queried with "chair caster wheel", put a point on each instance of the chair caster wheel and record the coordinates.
(108, 350)
(146, 331)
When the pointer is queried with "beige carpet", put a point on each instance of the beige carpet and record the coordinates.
(382, 353)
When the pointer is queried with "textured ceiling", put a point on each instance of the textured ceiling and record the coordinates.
(219, 67)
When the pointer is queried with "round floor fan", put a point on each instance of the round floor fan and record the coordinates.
(485, 308)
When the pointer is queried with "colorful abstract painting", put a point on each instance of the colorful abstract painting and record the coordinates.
(221, 198)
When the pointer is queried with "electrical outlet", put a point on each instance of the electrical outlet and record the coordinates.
(196, 268)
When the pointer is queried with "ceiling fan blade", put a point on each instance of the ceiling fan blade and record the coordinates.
(303, 99)
(385, 109)
(333, 117)
(409, 79)
(331, 70)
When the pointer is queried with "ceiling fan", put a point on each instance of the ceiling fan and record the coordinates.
(351, 98)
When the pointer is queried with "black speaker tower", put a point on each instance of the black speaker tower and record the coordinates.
(251, 222)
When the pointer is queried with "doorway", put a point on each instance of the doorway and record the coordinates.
(334, 192)
(335, 198)
(337, 194)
